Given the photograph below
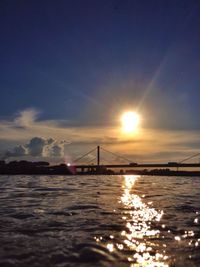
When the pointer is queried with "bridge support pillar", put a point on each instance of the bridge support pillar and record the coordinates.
(98, 155)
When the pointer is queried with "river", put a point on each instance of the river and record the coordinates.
(114, 220)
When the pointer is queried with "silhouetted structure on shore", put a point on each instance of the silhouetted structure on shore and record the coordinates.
(44, 168)
(31, 168)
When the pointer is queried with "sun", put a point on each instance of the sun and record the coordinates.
(130, 121)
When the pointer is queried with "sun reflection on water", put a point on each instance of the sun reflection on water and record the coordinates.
(142, 237)
(137, 240)
(137, 237)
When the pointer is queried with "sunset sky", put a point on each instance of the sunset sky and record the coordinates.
(70, 68)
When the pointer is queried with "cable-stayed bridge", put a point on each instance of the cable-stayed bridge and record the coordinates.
(93, 159)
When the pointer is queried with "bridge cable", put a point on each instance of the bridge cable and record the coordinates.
(91, 160)
(102, 158)
(77, 159)
(193, 156)
(105, 160)
(119, 156)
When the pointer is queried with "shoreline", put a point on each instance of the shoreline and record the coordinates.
(171, 173)
(44, 168)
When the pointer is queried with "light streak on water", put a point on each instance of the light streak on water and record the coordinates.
(138, 224)
(146, 238)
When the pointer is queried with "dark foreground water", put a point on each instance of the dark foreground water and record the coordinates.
(99, 221)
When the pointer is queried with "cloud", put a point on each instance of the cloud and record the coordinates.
(38, 147)
(26, 118)
(25, 125)
(18, 151)
(56, 150)
(26, 136)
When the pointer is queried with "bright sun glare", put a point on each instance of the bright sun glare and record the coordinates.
(130, 121)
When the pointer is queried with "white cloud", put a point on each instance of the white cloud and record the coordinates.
(26, 118)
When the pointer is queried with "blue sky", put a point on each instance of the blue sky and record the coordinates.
(81, 63)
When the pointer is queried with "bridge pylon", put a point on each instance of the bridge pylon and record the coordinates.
(98, 155)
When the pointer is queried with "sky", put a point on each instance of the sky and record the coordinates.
(70, 68)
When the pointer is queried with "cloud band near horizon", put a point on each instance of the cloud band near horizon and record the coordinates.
(27, 136)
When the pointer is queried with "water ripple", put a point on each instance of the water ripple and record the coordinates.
(99, 220)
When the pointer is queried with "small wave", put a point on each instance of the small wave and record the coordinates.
(92, 253)
(22, 216)
(113, 227)
(49, 189)
(83, 207)
(62, 213)
(186, 208)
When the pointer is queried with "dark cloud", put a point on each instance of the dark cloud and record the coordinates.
(18, 151)
(50, 141)
(38, 147)
(56, 151)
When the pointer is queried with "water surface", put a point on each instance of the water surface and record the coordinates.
(99, 221)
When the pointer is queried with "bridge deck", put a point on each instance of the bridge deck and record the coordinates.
(146, 165)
